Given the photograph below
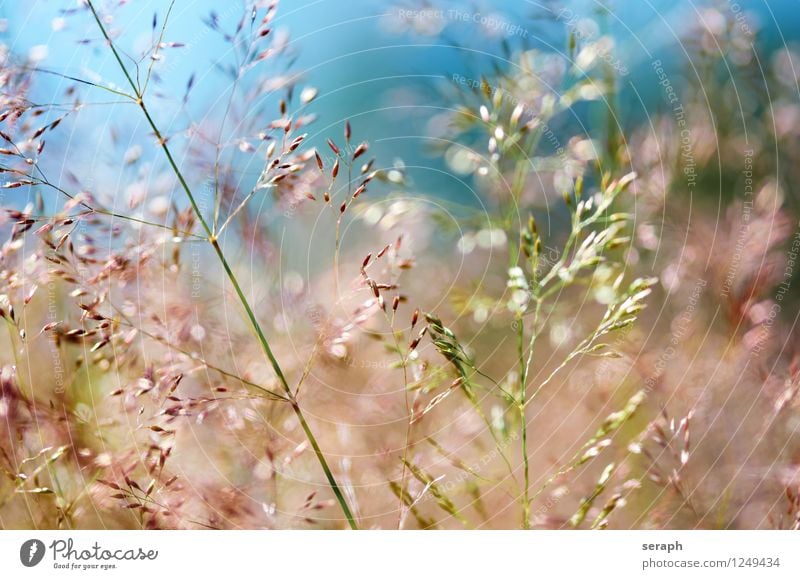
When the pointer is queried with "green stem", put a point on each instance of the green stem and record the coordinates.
(337, 491)
(526, 505)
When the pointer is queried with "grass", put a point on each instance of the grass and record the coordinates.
(212, 239)
(533, 385)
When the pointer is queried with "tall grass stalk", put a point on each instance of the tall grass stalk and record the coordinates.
(213, 240)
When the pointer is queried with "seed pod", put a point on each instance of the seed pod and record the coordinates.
(333, 147)
(296, 143)
(532, 224)
(516, 114)
(360, 150)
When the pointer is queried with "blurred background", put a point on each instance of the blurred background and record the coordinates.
(382, 65)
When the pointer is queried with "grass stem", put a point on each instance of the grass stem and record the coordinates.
(262, 339)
